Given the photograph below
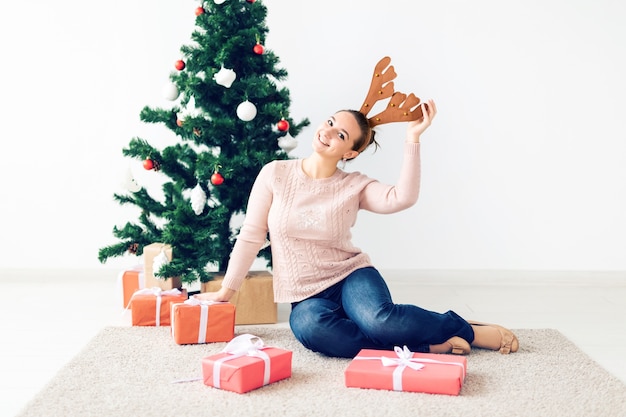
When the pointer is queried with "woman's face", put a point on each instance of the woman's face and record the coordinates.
(335, 137)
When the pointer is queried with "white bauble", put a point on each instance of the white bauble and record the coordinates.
(129, 182)
(190, 109)
(287, 143)
(225, 77)
(198, 199)
(170, 91)
(218, 1)
(246, 111)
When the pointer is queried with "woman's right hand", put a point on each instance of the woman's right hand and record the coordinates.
(224, 294)
(417, 127)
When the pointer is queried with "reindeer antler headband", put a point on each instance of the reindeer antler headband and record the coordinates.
(400, 107)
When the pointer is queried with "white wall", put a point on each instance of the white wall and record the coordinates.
(523, 169)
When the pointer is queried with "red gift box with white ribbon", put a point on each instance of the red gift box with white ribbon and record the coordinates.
(246, 364)
(152, 306)
(403, 370)
(198, 321)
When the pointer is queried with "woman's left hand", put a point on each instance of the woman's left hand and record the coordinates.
(417, 127)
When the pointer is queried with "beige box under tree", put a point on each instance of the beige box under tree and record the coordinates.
(149, 253)
(254, 302)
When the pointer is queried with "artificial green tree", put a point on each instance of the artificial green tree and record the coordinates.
(230, 117)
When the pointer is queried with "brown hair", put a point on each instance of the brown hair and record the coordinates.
(368, 134)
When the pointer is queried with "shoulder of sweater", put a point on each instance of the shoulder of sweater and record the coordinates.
(356, 177)
(279, 164)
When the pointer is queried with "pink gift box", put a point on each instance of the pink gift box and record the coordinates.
(246, 370)
(395, 371)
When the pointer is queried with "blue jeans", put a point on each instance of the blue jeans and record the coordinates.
(358, 313)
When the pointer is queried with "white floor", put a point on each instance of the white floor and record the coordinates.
(49, 316)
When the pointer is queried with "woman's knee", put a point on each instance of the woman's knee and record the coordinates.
(307, 320)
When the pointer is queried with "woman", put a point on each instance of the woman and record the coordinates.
(340, 302)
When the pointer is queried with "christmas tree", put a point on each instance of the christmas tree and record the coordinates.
(230, 117)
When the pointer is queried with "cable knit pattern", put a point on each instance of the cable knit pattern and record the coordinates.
(309, 222)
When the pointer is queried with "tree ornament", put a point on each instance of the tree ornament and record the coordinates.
(151, 164)
(180, 65)
(129, 182)
(133, 248)
(198, 199)
(217, 178)
(246, 111)
(180, 120)
(199, 11)
(287, 143)
(283, 125)
(250, 1)
(258, 48)
(218, 1)
(159, 261)
(148, 164)
(170, 91)
(225, 77)
(190, 110)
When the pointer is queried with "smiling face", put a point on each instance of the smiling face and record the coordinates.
(335, 137)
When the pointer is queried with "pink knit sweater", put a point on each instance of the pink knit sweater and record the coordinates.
(309, 222)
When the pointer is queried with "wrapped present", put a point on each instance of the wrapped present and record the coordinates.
(157, 254)
(254, 301)
(129, 281)
(152, 306)
(197, 321)
(403, 370)
(246, 364)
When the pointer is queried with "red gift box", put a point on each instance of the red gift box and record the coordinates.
(246, 365)
(195, 321)
(129, 281)
(403, 370)
(152, 306)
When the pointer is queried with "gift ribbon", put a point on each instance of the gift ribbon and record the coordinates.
(243, 345)
(405, 360)
(158, 293)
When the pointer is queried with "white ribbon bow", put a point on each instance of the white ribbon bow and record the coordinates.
(243, 345)
(404, 359)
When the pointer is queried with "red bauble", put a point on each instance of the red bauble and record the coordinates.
(258, 49)
(179, 122)
(180, 65)
(199, 11)
(250, 1)
(217, 179)
(148, 164)
(283, 125)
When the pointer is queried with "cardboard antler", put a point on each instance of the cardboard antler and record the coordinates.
(400, 108)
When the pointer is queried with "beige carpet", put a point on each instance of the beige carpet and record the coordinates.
(128, 371)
